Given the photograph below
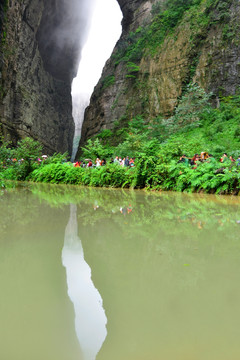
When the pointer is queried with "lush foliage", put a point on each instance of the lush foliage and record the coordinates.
(195, 127)
(19, 162)
(167, 19)
(97, 148)
(109, 175)
(156, 145)
(166, 16)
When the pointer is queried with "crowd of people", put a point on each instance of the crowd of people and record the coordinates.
(205, 157)
(89, 163)
(184, 159)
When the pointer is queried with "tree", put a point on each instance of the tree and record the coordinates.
(27, 151)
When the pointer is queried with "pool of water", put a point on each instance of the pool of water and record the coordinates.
(104, 274)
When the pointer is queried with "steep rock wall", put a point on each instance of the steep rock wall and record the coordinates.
(40, 49)
(203, 48)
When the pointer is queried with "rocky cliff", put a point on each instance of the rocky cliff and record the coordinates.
(163, 49)
(164, 46)
(40, 48)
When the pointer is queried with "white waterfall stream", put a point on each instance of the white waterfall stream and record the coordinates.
(103, 34)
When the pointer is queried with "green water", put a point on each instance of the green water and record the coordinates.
(118, 275)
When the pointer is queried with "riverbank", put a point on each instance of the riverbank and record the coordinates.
(207, 177)
(195, 127)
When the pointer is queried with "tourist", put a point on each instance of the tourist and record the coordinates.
(184, 160)
(77, 164)
(116, 160)
(123, 210)
(238, 160)
(122, 163)
(127, 161)
(131, 162)
(89, 164)
(224, 158)
(98, 162)
(204, 156)
(194, 159)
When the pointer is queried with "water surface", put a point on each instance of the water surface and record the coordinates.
(110, 274)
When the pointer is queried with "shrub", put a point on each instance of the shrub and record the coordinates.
(57, 158)
(95, 149)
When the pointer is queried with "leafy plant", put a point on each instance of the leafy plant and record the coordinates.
(108, 81)
(95, 149)
(132, 69)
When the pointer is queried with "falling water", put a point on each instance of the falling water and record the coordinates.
(104, 32)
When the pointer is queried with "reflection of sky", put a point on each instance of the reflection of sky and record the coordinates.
(90, 318)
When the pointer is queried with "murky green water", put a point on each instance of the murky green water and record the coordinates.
(118, 275)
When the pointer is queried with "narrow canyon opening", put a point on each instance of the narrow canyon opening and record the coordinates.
(104, 31)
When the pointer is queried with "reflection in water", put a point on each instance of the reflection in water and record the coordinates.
(168, 272)
(90, 318)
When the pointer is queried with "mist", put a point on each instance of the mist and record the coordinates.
(62, 33)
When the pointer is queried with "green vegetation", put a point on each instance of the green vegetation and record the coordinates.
(150, 37)
(198, 15)
(132, 69)
(17, 163)
(107, 81)
(157, 145)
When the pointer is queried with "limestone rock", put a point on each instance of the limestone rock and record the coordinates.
(203, 48)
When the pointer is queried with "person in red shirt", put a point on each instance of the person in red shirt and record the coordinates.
(77, 164)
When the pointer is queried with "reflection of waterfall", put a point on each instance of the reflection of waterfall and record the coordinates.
(90, 318)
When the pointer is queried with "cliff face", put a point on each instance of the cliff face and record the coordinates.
(202, 47)
(40, 48)
(41, 42)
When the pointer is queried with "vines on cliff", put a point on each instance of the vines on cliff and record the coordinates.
(146, 40)
(165, 18)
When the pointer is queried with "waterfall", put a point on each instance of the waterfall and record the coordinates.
(104, 31)
(79, 104)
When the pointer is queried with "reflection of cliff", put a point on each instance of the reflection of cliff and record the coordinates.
(90, 318)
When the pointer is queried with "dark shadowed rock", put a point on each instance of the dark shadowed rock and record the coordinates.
(40, 49)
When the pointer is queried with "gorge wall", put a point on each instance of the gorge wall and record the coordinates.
(149, 68)
(157, 56)
(40, 47)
